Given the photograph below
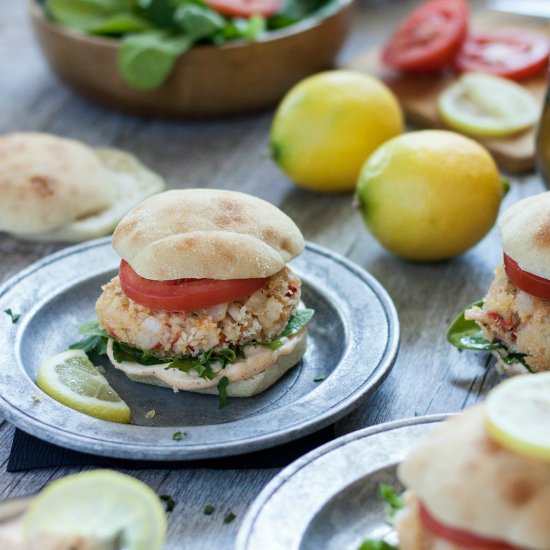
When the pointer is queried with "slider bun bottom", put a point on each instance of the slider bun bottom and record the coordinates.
(249, 386)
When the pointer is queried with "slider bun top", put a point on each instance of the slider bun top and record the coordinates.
(469, 482)
(525, 231)
(47, 182)
(206, 233)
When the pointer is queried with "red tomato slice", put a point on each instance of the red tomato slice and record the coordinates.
(532, 284)
(183, 294)
(515, 56)
(429, 39)
(246, 8)
(467, 540)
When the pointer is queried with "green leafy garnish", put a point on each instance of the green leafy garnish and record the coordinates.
(319, 378)
(372, 544)
(208, 510)
(14, 316)
(95, 341)
(222, 392)
(178, 436)
(169, 502)
(154, 33)
(392, 501)
(229, 517)
(465, 334)
(298, 321)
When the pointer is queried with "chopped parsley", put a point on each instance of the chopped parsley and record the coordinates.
(392, 501)
(169, 502)
(319, 378)
(229, 517)
(14, 316)
(208, 510)
(372, 544)
(222, 392)
(178, 436)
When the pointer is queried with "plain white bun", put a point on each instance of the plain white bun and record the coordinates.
(57, 189)
(47, 182)
(206, 233)
(131, 183)
(258, 370)
(525, 232)
(468, 481)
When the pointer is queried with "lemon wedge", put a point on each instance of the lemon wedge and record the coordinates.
(102, 508)
(71, 378)
(517, 414)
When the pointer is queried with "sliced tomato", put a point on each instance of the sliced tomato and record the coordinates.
(429, 39)
(528, 282)
(468, 541)
(246, 8)
(183, 294)
(512, 55)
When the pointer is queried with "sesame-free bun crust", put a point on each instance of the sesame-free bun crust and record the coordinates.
(131, 183)
(249, 376)
(468, 481)
(47, 182)
(56, 189)
(525, 232)
(206, 233)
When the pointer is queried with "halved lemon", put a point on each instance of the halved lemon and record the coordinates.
(517, 414)
(486, 105)
(71, 378)
(102, 507)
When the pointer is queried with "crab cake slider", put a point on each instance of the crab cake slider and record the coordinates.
(204, 297)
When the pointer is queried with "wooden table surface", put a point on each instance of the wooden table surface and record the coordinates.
(429, 376)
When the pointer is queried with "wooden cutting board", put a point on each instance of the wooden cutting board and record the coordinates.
(418, 94)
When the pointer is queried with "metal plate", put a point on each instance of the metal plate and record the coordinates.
(353, 341)
(329, 498)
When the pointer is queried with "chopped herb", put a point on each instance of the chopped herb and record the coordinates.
(169, 502)
(150, 414)
(392, 500)
(222, 392)
(319, 378)
(208, 510)
(416, 413)
(229, 517)
(178, 436)
(14, 316)
(371, 544)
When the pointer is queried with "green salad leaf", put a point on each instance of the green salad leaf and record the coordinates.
(298, 321)
(146, 59)
(465, 334)
(392, 501)
(222, 392)
(95, 341)
(14, 316)
(154, 33)
(372, 544)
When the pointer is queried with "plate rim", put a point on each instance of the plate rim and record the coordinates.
(171, 451)
(287, 473)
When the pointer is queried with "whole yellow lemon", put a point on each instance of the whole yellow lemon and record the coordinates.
(429, 195)
(327, 126)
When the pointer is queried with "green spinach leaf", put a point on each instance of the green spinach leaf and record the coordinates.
(145, 60)
(119, 24)
(298, 321)
(392, 501)
(465, 334)
(95, 341)
(222, 392)
(198, 22)
(372, 544)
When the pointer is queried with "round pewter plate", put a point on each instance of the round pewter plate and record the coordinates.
(353, 341)
(329, 498)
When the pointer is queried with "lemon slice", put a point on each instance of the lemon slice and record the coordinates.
(487, 105)
(103, 508)
(71, 378)
(517, 414)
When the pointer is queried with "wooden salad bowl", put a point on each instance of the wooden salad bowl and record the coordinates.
(207, 81)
